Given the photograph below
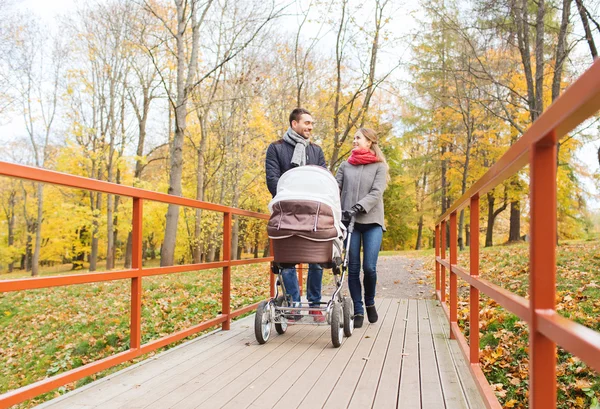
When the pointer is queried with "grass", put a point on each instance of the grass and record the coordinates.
(48, 331)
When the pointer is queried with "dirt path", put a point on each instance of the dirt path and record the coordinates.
(403, 277)
(400, 277)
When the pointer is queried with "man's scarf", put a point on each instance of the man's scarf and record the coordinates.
(300, 143)
(362, 157)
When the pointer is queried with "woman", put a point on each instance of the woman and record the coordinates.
(362, 180)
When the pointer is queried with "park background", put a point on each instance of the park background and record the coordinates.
(185, 96)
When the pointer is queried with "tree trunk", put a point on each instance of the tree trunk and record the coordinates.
(461, 223)
(95, 230)
(419, 233)
(11, 228)
(492, 214)
(235, 236)
(489, 233)
(210, 252)
(586, 26)
(561, 50)
(110, 238)
(28, 247)
(443, 179)
(239, 250)
(337, 142)
(128, 250)
(515, 222)
(184, 85)
(139, 166)
(256, 242)
(197, 253)
(35, 262)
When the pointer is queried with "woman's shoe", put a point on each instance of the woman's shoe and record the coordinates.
(358, 320)
(372, 313)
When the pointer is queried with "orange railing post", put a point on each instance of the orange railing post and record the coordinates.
(300, 272)
(437, 254)
(453, 283)
(474, 291)
(226, 300)
(542, 275)
(135, 331)
(443, 256)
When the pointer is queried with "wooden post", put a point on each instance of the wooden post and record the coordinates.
(299, 271)
(135, 326)
(542, 275)
(226, 300)
(437, 265)
(453, 281)
(473, 291)
(443, 256)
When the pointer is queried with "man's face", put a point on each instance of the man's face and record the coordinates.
(303, 126)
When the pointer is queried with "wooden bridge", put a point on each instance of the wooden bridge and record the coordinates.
(405, 360)
(409, 359)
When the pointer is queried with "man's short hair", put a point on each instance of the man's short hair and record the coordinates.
(297, 113)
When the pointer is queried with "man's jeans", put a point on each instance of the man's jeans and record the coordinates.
(370, 235)
(313, 284)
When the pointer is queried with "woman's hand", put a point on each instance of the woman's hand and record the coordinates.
(358, 208)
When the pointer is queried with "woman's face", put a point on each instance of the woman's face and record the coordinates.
(360, 142)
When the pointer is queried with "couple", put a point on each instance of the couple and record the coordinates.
(362, 180)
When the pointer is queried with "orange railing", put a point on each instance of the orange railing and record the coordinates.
(134, 274)
(538, 148)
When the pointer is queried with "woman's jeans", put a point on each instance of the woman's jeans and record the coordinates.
(313, 284)
(370, 236)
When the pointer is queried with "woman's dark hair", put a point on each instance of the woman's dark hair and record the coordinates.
(297, 113)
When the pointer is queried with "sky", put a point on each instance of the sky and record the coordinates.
(47, 10)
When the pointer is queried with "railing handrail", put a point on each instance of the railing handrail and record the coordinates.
(538, 148)
(576, 104)
(80, 182)
(135, 274)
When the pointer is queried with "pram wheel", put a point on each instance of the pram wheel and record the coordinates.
(337, 327)
(262, 322)
(348, 307)
(281, 327)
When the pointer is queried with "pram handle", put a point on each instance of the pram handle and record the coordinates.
(350, 216)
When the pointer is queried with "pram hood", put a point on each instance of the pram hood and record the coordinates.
(309, 183)
(306, 214)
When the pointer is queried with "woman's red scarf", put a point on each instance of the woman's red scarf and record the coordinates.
(362, 157)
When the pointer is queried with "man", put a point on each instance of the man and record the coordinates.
(295, 149)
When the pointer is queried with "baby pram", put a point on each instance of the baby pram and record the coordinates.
(306, 227)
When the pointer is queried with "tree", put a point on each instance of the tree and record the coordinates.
(350, 106)
(38, 95)
(190, 16)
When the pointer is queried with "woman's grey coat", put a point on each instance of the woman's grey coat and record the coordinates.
(363, 185)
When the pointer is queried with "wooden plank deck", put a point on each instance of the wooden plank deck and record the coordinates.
(403, 361)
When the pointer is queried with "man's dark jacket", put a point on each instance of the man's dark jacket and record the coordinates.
(279, 158)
